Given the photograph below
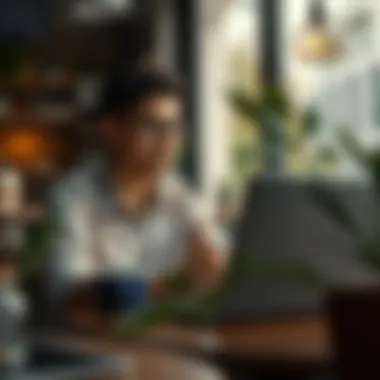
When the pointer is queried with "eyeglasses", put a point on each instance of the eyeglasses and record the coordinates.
(160, 128)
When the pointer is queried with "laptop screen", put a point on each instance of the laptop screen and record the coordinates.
(289, 250)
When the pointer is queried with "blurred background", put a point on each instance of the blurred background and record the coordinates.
(323, 54)
(270, 84)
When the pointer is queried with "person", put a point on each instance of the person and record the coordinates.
(130, 212)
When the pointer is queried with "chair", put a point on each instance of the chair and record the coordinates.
(355, 319)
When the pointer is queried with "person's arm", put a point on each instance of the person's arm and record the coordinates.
(205, 263)
(203, 268)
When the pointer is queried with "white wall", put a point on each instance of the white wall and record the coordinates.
(214, 111)
(230, 24)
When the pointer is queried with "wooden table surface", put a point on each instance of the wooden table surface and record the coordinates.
(193, 353)
(153, 357)
(294, 339)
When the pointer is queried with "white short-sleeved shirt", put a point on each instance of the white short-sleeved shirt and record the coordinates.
(97, 235)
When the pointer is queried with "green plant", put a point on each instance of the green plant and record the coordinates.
(327, 156)
(201, 308)
(39, 242)
(310, 121)
(280, 122)
(272, 102)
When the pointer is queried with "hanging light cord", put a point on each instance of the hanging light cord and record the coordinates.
(317, 13)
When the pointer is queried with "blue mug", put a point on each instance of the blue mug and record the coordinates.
(122, 294)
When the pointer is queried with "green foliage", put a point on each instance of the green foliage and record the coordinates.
(246, 106)
(38, 245)
(134, 324)
(327, 155)
(310, 121)
(202, 308)
(273, 102)
(244, 156)
(194, 308)
(277, 120)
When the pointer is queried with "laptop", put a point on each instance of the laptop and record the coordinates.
(288, 250)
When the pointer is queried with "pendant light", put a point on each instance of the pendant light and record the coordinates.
(317, 43)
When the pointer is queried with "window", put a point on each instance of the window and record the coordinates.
(245, 141)
(375, 95)
(351, 102)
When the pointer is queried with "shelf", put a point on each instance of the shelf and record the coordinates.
(40, 117)
(37, 88)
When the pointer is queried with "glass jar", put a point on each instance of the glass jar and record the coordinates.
(11, 204)
(11, 188)
(13, 313)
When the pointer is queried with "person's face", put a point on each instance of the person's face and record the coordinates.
(149, 137)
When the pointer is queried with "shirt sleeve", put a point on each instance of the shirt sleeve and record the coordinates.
(198, 216)
(194, 213)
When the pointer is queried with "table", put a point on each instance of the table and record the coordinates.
(56, 362)
(298, 346)
(145, 359)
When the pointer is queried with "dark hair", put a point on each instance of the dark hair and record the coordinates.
(123, 92)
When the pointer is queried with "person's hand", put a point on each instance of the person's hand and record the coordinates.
(205, 265)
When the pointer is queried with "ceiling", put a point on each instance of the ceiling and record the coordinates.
(100, 43)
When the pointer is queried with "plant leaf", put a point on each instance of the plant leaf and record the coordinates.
(246, 106)
(203, 307)
(310, 121)
(38, 244)
(275, 101)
